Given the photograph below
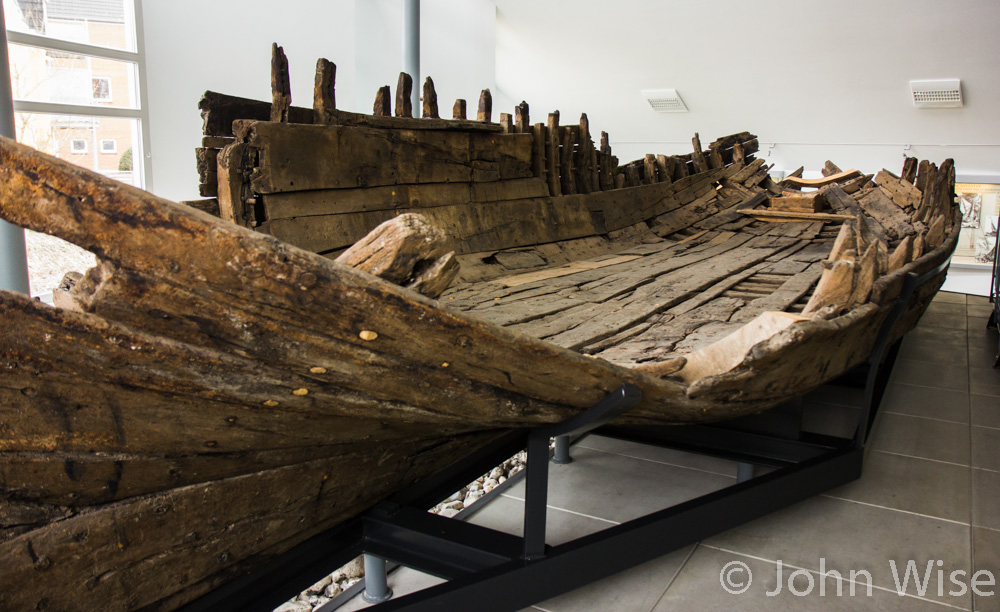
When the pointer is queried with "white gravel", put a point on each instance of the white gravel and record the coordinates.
(50, 258)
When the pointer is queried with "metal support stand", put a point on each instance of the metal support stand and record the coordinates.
(537, 479)
(376, 583)
(561, 454)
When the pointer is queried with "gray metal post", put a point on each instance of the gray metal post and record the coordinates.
(744, 472)
(411, 50)
(13, 254)
(376, 583)
(561, 456)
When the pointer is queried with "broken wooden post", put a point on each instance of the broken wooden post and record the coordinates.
(552, 155)
(430, 100)
(697, 157)
(649, 168)
(408, 251)
(382, 105)
(485, 112)
(458, 111)
(506, 123)
(281, 89)
(404, 87)
(324, 94)
(539, 139)
(522, 124)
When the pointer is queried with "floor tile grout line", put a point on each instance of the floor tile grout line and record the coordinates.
(827, 575)
(920, 416)
(551, 507)
(896, 381)
(676, 574)
(683, 467)
(910, 512)
(972, 482)
(885, 452)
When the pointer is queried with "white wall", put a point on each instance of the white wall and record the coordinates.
(813, 73)
(457, 43)
(226, 47)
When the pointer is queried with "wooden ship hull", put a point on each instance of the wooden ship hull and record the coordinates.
(218, 390)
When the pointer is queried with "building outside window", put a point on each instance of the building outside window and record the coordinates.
(77, 79)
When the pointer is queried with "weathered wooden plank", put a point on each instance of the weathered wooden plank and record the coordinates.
(218, 111)
(789, 292)
(887, 213)
(903, 193)
(778, 216)
(665, 291)
(396, 197)
(231, 525)
(506, 123)
(840, 177)
(473, 226)
(306, 157)
(458, 111)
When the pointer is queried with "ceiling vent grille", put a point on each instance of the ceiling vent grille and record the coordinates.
(665, 100)
(937, 93)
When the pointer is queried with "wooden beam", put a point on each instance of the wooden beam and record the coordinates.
(458, 110)
(839, 177)
(777, 215)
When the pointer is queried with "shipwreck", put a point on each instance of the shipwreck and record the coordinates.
(363, 299)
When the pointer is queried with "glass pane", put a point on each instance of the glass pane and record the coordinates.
(44, 75)
(980, 205)
(107, 145)
(106, 23)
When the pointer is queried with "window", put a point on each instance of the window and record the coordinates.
(102, 88)
(77, 78)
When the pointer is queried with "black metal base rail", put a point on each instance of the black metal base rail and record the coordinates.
(502, 572)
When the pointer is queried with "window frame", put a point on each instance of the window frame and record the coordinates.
(133, 8)
(112, 150)
(78, 150)
(104, 79)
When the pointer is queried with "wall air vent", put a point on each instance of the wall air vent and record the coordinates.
(937, 93)
(664, 100)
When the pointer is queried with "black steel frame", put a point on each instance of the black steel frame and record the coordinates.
(994, 320)
(502, 572)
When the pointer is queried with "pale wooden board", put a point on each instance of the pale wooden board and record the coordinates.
(572, 268)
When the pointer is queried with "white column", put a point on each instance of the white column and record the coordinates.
(411, 50)
(13, 254)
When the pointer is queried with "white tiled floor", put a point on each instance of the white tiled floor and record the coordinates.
(930, 492)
